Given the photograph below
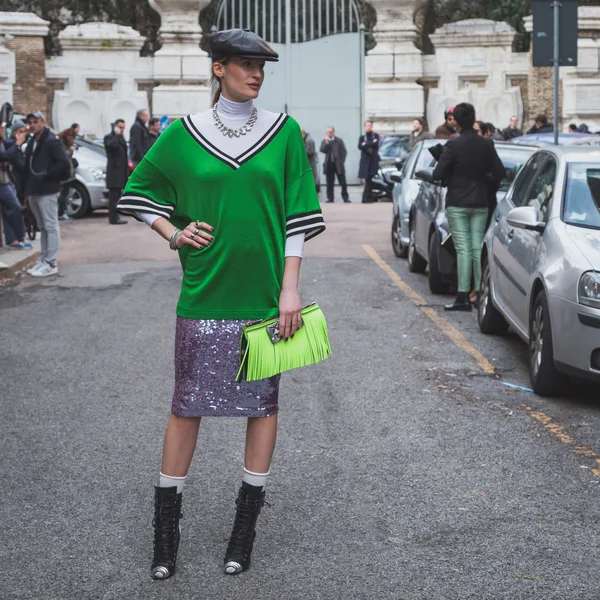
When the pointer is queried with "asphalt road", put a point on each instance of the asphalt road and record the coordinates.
(403, 470)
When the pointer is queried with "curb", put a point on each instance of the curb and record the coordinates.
(20, 265)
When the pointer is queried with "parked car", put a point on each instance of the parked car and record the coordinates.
(564, 139)
(393, 151)
(430, 240)
(88, 191)
(541, 266)
(406, 189)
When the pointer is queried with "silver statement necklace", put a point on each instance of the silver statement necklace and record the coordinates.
(243, 130)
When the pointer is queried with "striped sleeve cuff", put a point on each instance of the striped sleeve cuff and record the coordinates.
(310, 223)
(131, 204)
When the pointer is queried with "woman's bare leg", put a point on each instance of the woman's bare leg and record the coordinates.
(261, 434)
(179, 445)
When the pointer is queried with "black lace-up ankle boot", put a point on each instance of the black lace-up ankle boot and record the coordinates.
(167, 511)
(249, 502)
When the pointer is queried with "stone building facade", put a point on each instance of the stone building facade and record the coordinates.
(101, 75)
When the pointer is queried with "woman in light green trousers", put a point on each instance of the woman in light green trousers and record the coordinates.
(471, 168)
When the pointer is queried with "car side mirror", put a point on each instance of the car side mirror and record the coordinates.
(425, 175)
(526, 217)
(396, 177)
(400, 163)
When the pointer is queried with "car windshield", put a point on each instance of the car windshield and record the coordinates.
(512, 159)
(93, 146)
(394, 146)
(425, 160)
(582, 196)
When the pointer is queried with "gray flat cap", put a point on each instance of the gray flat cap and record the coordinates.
(240, 42)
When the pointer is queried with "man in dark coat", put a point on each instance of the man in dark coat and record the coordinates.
(512, 131)
(311, 153)
(139, 137)
(117, 169)
(541, 125)
(470, 166)
(335, 156)
(46, 165)
(368, 144)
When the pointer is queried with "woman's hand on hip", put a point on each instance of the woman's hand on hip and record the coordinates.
(196, 234)
(290, 313)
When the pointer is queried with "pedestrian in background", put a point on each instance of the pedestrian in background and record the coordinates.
(512, 131)
(67, 137)
(493, 133)
(46, 165)
(573, 128)
(153, 130)
(419, 133)
(117, 169)
(481, 128)
(311, 153)
(11, 159)
(335, 152)
(139, 137)
(368, 144)
(541, 125)
(468, 164)
(447, 129)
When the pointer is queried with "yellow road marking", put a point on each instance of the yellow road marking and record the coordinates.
(484, 364)
(444, 325)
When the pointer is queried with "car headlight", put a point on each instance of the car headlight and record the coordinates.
(589, 289)
(97, 173)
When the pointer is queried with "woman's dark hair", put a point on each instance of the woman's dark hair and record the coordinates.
(153, 121)
(214, 78)
(543, 119)
(483, 128)
(423, 122)
(464, 114)
(572, 127)
(490, 127)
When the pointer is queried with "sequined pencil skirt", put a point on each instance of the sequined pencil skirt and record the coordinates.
(207, 360)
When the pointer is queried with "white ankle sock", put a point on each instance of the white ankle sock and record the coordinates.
(255, 479)
(167, 481)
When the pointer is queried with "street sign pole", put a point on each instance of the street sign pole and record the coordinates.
(556, 60)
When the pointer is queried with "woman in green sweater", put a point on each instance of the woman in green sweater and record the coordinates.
(233, 192)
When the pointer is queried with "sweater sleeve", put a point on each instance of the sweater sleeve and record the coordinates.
(148, 190)
(302, 211)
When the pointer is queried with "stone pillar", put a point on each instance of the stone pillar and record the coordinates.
(475, 64)
(580, 85)
(7, 73)
(181, 67)
(393, 97)
(99, 77)
(30, 91)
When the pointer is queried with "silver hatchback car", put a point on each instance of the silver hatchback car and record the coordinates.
(541, 266)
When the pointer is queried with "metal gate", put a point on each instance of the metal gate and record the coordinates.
(319, 79)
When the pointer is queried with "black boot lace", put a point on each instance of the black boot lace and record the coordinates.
(166, 524)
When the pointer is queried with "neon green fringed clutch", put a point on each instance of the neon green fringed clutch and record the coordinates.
(264, 354)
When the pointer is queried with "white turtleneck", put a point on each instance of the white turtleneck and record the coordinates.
(234, 115)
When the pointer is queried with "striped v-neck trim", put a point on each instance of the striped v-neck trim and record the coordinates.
(235, 162)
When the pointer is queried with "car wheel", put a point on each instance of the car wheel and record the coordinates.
(488, 316)
(78, 202)
(416, 263)
(546, 380)
(400, 249)
(437, 285)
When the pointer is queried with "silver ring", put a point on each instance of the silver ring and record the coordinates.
(196, 232)
(192, 236)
